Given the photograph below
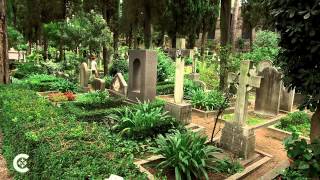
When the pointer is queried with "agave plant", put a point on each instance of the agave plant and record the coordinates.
(143, 121)
(208, 101)
(186, 153)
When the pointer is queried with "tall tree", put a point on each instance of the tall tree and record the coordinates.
(299, 57)
(234, 22)
(4, 63)
(225, 17)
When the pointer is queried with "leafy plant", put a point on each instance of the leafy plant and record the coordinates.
(228, 166)
(187, 154)
(166, 67)
(306, 157)
(57, 97)
(63, 86)
(208, 101)
(143, 121)
(119, 66)
(30, 68)
(93, 97)
(297, 121)
(54, 140)
(189, 87)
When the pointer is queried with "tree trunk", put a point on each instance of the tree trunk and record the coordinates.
(225, 40)
(315, 126)
(4, 60)
(106, 60)
(203, 37)
(147, 27)
(234, 23)
(45, 48)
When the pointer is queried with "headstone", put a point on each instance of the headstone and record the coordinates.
(119, 85)
(179, 73)
(142, 75)
(263, 64)
(236, 136)
(286, 99)
(179, 109)
(268, 95)
(84, 76)
(194, 75)
(98, 84)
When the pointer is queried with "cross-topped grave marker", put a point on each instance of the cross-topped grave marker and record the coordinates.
(179, 74)
(236, 136)
(246, 81)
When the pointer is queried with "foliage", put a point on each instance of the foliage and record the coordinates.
(265, 47)
(209, 72)
(143, 121)
(15, 39)
(306, 157)
(57, 97)
(26, 69)
(43, 82)
(297, 22)
(85, 111)
(165, 88)
(189, 87)
(297, 121)
(208, 101)
(228, 166)
(108, 80)
(187, 154)
(119, 66)
(54, 141)
(93, 97)
(165, 67)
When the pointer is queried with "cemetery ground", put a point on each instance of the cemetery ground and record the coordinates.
(152, 117)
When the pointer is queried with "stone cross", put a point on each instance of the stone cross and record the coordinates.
(179, 74)
(245, 82)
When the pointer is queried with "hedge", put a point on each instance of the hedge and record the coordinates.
(59, 146)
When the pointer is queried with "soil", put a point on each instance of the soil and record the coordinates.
(4, 173)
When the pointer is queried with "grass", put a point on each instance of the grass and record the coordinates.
(251, 121)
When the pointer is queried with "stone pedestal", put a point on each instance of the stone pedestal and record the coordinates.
(182, 112)
(194, 76)
(142, 75)
(238, 139)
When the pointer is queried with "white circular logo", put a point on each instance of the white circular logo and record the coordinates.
(20, 163)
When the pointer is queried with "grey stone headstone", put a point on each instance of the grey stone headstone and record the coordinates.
(142, 75)
(263, 64)
(98, 84)
(286, 99)
(119, 84)
(268, 95)
(84, 75)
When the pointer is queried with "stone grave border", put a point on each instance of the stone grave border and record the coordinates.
(266, 124)
(280, 134)
(266, 157)
(206, 114)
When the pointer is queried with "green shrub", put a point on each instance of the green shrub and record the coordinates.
(228, 166)
(26, 69)
(187, 154)
(306, 157)
(265, 47)
(166, 66)
(108, 81)
(119, 66)
(57, 145)
(93, 97)
(43, 82)
(208, 101)
(143, 121)
(189, 88)
(164, 89)
(98, 112)
(209, 73)
(297, 121)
